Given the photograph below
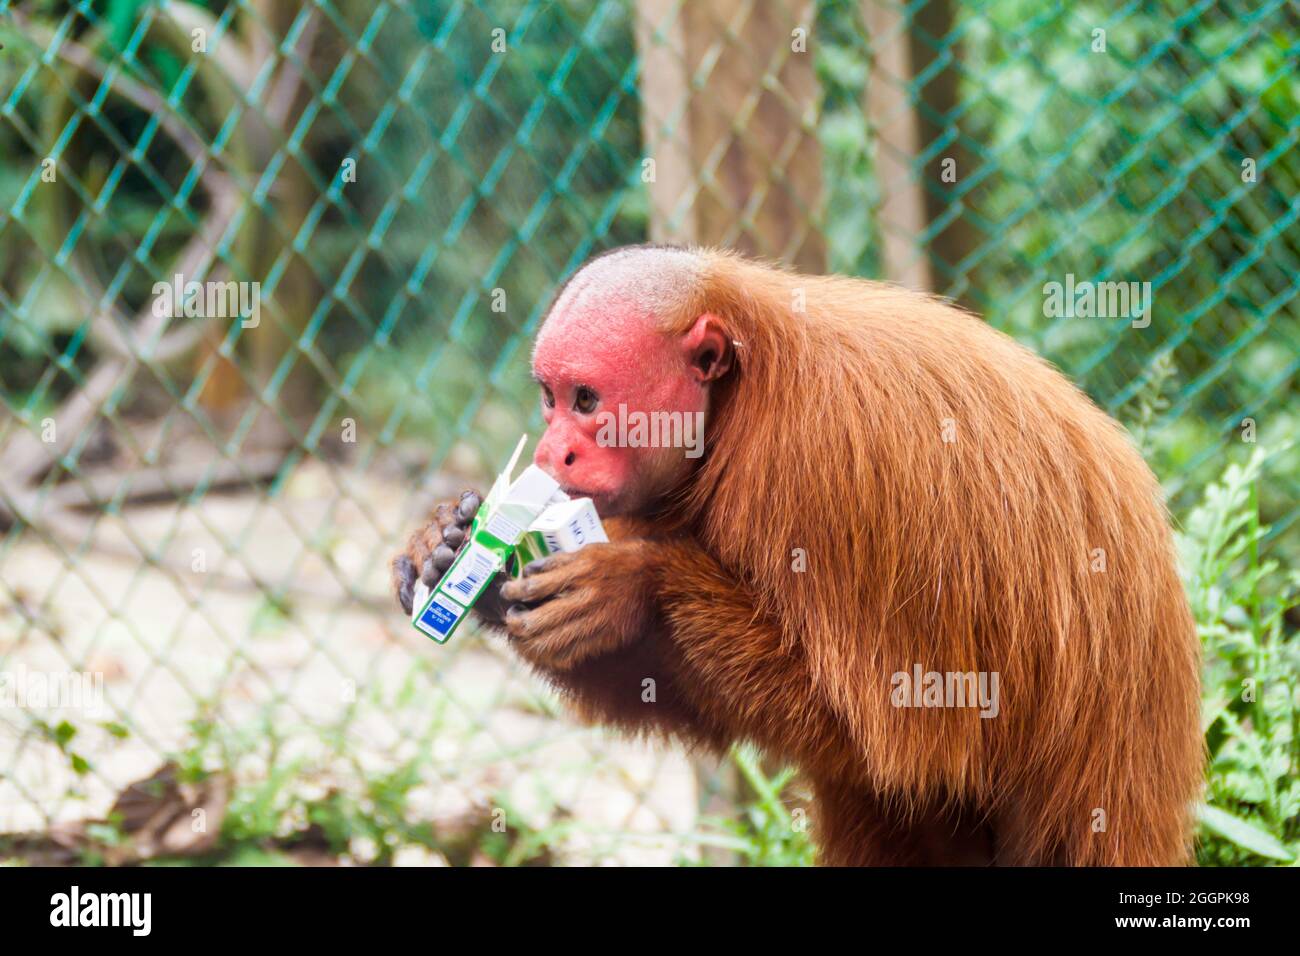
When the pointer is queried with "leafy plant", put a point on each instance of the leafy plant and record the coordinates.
(1250, 711)
(764, 831)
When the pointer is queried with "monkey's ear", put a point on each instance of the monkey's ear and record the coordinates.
(708, 348)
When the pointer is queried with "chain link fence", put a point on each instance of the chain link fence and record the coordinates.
(199, 495)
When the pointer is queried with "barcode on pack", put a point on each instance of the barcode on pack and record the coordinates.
(471, 572)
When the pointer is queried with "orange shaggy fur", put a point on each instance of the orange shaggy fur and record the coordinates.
(970, 555)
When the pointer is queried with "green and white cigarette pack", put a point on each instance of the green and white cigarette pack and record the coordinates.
(528, 516)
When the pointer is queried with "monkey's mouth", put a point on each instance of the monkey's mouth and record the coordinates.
(600, 499)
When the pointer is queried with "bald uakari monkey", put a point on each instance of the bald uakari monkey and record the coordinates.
(889, 490)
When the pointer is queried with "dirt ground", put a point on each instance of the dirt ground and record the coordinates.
(271, 612)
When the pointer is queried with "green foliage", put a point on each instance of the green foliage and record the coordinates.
(1127, 165)
(61, 735)
(764, 831)
(271, 617)
(290, 808)
(1251, 710)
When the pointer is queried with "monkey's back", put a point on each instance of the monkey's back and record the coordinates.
(963, 507)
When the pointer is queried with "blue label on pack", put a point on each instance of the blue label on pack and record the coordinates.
(439, 618)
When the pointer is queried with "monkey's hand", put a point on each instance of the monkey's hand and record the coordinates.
(569, 608)
(431, 550)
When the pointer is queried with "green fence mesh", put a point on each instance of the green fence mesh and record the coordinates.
(199, 510)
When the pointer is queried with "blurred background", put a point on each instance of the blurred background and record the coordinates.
(197, 513)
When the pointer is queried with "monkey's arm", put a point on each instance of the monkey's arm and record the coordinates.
(589, 619)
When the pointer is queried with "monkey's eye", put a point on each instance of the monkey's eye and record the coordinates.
(585, 400)
(547, 398)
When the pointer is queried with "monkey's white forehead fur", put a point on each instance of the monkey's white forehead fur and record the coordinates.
(646, 280)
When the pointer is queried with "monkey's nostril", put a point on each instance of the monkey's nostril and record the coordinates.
(568, 459)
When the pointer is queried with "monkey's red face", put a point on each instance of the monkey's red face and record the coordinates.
(624, 405)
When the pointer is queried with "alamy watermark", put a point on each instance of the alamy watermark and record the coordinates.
(52, 690)
(210, 299)
(922, 688)
(626, 429)
(133, 911)
(1098, 300)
